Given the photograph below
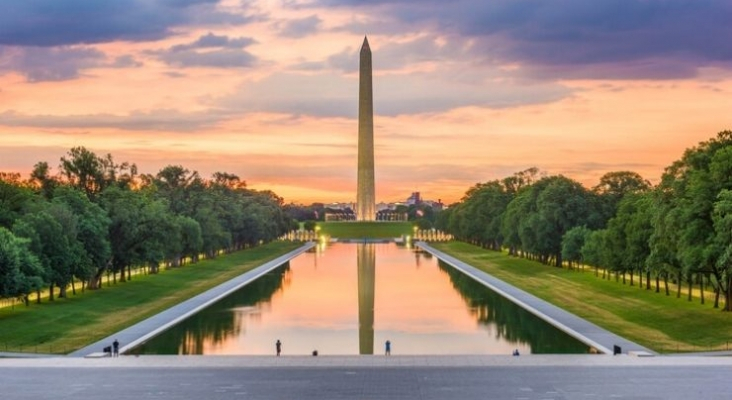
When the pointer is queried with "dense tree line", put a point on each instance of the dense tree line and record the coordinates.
(678, 230)
(97, 217)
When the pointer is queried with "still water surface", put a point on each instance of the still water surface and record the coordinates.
(351, 298)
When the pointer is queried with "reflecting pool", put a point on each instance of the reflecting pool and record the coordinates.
(348, 298)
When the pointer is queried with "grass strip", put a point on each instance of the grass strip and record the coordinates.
(65, 325)
(663, 323)
(365, 230)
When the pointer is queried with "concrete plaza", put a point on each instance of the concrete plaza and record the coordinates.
(368, 377)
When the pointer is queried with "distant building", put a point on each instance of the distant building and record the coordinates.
(414, 199)
(436, 205)
(340, 206)
(339, 212)
(391, 215)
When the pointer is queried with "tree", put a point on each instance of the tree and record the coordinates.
(49, 243)
(613, 186)
(638, 232)
(722, 246)
(309, 225)
(42, 179)
(20, 271)
(572, 243)
(684, 226)
(191, 239)
(141, 230)
(92, 234)
(519, 180)
(14, 199)
(593, 251)
(484, 206)
(540, 214)
(177, 184)
(662, 243)
(562, 205)
(83, 170)
(516, 212)
(69, 226)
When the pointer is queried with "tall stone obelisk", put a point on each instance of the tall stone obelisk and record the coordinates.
(365, 193)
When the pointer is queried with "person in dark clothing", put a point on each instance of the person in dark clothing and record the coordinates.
(115, 347)
(278, 346)
(387, 347)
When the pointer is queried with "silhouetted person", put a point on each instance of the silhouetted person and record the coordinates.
(278, 346)
(115, 347)
(387, 348)
(516, 353)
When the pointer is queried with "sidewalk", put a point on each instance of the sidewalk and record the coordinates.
(407, 361)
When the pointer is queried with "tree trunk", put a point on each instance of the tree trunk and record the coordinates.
(658, 284)
(73, 287)
(728, 294)
(665, 282)
(678, 285)
(631, 278)
(95, 281)
(716, 296)
(689, 281)
(129, 272)
(701, 287)
(38, 296)
(62, 291)
(648, 280)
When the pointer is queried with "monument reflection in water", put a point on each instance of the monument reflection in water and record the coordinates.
(322, 301)
(366, 261)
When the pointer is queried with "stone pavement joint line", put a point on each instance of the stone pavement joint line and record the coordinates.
(144, 330)
(577, 327)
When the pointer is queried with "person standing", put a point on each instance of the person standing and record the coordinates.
(278, 347)
(387, 348)
(115, 348)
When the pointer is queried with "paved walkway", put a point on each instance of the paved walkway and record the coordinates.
(152, 326)
(573, 325)
(530, 377)
(367, 361)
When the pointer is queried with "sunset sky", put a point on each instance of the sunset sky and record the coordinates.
(465, 91)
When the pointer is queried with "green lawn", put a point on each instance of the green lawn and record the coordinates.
(365, 230)
(68, 324)
(662, 323)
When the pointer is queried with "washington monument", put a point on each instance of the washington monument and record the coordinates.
(365, 194)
